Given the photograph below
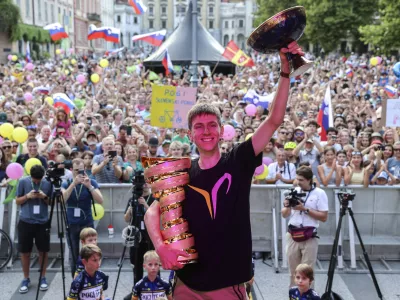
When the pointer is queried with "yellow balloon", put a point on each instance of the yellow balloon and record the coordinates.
(49, 100)
(58, 51)
(373, 61)
(95, 78)
(6, 130)
(20, 135)
(30, 163)
(264, 174)
(248, 136)
(104, 63)
(14, 58)
(66, 72)
(99, 212)
(73, 61)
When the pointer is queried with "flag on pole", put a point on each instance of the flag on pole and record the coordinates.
(62, 100)
(325, 116)
(349, 73)
(28, 53)
(154, 38)
(237, 56)
(167, 63)
(57, 32)
(390, 91)
(258, 100)
(138, 6)
(110, 34)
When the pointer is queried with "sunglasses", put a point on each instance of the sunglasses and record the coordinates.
(356, 153)
(15, 146)
(7, 147)
(395, 150)
(299, 133)
(223, 148)
(286, 133)
(31, 127)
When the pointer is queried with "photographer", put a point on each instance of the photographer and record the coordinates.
(305, 211)
(78, 194)
(107, 167)
(33, 195)
(137, 253)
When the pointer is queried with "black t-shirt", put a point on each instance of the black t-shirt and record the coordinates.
(217, 207)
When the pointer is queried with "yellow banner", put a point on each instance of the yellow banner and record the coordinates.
(240, 58)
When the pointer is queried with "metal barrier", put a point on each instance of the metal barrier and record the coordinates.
(377, 212)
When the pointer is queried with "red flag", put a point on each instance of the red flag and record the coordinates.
(235, 55)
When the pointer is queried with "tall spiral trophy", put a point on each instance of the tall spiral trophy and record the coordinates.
(167, 177)
(278, 32)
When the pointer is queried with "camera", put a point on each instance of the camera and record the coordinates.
(380, 147)
(138, 182)
(54, 171)
(293, 196)
(345, 197)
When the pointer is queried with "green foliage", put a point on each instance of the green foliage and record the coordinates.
(10, 16)
(33, 34)
(268, 8)
(46, 55)
(384, 33)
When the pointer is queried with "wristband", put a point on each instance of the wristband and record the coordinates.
(91, 189)
(285, 75)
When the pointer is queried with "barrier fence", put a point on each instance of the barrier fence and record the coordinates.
(376, 209)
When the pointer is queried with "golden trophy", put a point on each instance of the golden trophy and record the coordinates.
(278, 32)
(167, 177)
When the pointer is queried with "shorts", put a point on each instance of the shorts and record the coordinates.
(29, 232)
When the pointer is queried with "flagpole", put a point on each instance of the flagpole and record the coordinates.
(194, 62)
(216, 65)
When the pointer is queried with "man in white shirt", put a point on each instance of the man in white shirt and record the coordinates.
(311, 209)
(281, 172)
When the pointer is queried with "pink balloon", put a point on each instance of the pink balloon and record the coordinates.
(28, 77)
(267, 161)
(251, 110)
(28, 97)
(14, 171)
(259, 170)
(29, 66)
(80, 78)
(229, 132)
(9, 57)
(379, 59)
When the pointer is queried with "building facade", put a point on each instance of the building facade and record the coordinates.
(127, 21)
(237, 21)
(107, 19)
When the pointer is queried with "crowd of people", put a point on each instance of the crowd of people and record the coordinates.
(103, 139)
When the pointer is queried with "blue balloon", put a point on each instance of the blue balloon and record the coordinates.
(396, 70)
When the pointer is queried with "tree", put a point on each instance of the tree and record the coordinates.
(329, 22)
(268, 8)
(10, 16)
(385, 32)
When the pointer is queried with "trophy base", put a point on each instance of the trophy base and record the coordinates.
(304, 68)
(299, 64)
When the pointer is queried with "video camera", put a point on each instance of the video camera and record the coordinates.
(345, 197)
(293, 196)
(138, 182)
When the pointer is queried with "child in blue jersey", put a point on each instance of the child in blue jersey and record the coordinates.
(304, 276)
(151, 286)
(90, 283)
(87, 236)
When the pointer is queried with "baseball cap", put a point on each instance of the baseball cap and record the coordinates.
(309, 141)
(384, 175)
(91, 132)
(290, 145)
(3, 118)
(166, 142)
(153, 141)
(301, 128)
(376, 142)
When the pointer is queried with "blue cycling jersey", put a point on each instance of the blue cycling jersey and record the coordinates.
(79, 266)
(294, 294)
(151, 290)
(85, 287)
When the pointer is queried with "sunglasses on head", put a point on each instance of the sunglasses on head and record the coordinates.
(356, 153)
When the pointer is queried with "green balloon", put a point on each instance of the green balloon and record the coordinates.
(79, 103)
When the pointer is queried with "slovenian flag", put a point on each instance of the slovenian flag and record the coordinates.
(258, 100)
(390, 91)
(41, 90)
(28, 53)
(110, 34)
(325, 116)
(138, 6)
(167, 63)
(57, 32)
(155, 38)
(349, 73)
(62, 100)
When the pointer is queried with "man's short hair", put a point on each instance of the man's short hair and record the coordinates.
(150, 255)
(32, 140)
(305, 172)
(89, 250)
(87, 232)
(116, 112)
(312, 122)
(37, 172)
(332, 129)
(203, 109)
(77, 161)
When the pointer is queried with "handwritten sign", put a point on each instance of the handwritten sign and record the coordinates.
(170, 106)
(391, 117)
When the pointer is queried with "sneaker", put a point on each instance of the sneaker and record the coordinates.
(43, 284)
(25, 285)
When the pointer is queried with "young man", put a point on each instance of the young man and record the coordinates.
(106, 168)
(217, 202)
(33, 195)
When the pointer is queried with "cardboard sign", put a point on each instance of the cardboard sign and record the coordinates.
(170, 106)
(391, 113)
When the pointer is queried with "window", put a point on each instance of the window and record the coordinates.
(163, 9)
(151, 11)
(151, 26)
(241, 23)
(128, 21)
(135, 20)
(211, 24)
(118, 19)
(40, 9)
(233, 24)
(226, 24)
(163, 24)
(78, 4)
(52, 12)
(198, 9)
(211, 10)
(28, 7)
(46, 13)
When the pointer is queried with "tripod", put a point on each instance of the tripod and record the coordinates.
(61, 215)
(344, 199)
